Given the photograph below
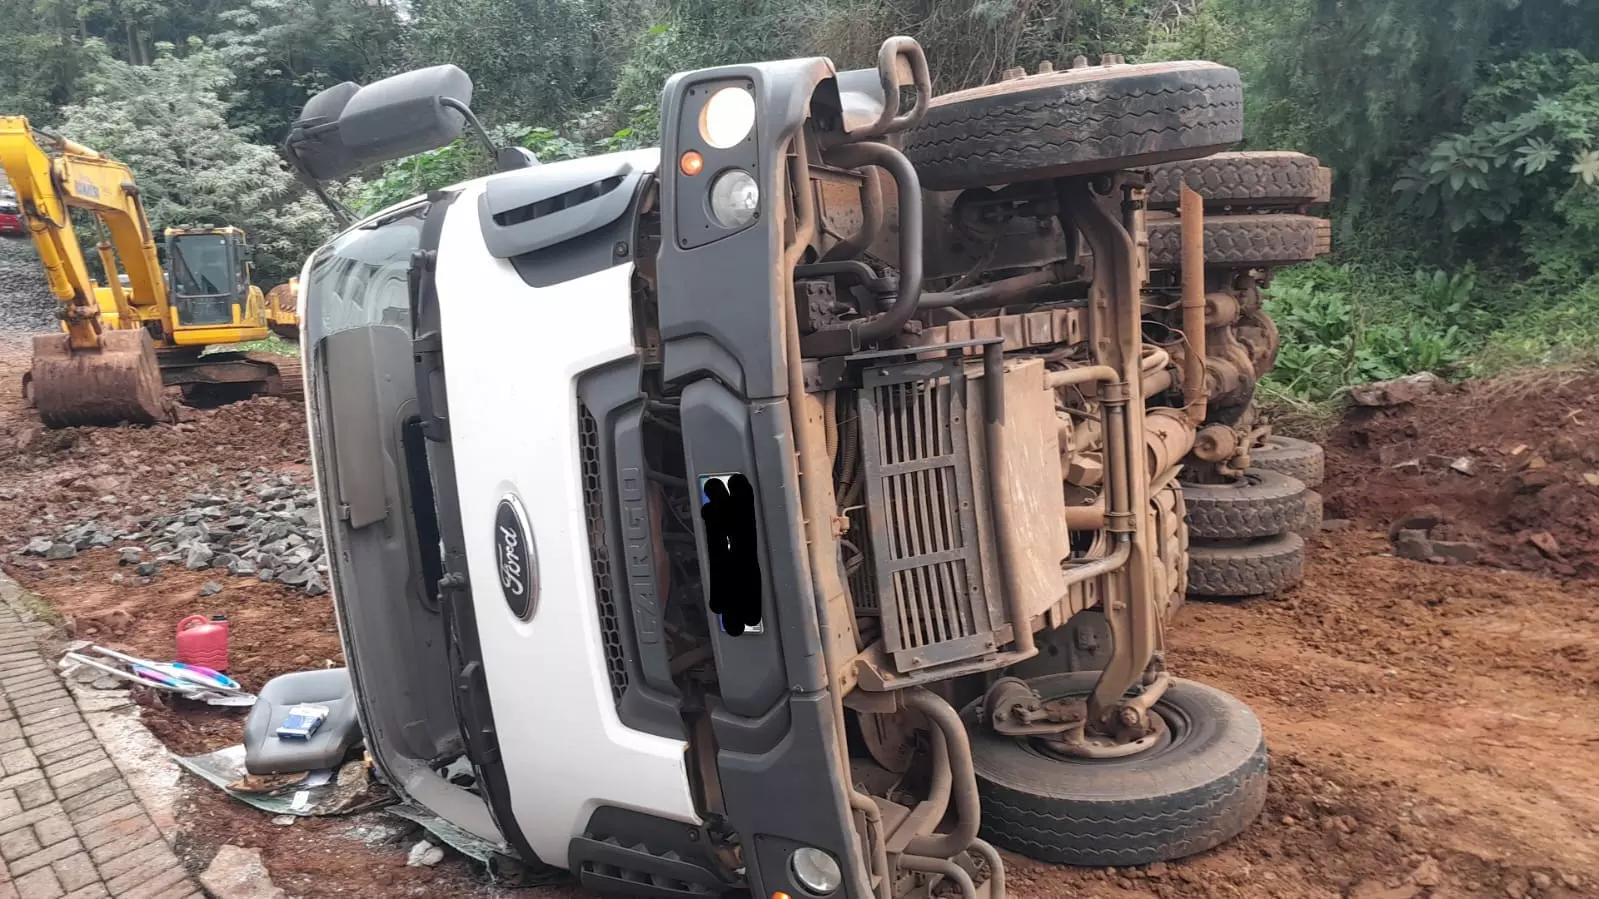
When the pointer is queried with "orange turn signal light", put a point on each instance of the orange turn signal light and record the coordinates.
(781, 895)
(692, 163)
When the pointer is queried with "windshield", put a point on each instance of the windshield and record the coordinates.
(200, 265)
(361, 278)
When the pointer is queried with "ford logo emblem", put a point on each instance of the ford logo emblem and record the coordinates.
(514, 560)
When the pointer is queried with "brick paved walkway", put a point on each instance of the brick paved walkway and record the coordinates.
(69, 824)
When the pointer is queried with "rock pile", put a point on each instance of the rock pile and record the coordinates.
(266, 527)
(26, 304)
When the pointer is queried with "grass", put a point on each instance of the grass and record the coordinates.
(272, 344)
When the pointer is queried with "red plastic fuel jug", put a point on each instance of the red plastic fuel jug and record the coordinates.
(204, 642)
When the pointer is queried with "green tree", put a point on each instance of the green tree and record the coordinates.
(284, 51)
(530, 60)
(168, 122)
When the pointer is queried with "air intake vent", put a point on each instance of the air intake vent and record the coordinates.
(599, 554)
(923, 516)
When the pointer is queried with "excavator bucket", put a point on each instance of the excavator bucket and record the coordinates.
(120, 382)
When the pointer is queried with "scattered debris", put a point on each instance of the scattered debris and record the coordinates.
(238, 873)
(1421, 518)
(1408, 389)
(1413, 544)
(189, 681)
(329, 793)
(210, 588)
(1465, 466)
(1546, 544)
(424, 855)
(1415, 537)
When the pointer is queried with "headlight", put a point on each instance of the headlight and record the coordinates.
(816, 870)
(735, 198)
(728, 117)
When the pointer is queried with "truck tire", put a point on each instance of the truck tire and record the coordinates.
(1301, 460)
(1195, 791)
(1239, 241)
(1171, 532)
(1083, 121)
(1315, 510)
(1259, 504)
(1257, 568)
(1260, 178)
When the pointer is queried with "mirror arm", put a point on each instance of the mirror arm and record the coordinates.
(477, 126)
(340, 211)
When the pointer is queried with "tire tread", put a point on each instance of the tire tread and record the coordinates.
(1240, 241)
(1245, 178)
(1260, 569)
(1268, 504)
(1041, 130)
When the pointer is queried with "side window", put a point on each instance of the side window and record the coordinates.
(361, 279)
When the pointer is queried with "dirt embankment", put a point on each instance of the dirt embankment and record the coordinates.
(1512, 464)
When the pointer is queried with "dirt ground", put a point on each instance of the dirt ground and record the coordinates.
(1434, 730)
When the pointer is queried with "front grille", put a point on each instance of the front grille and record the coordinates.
(923, 515)
(599, 554)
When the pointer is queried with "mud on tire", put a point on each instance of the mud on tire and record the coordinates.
(1238, 570)
(1240, 241)
(1301, 460)
(1315, 512)
(1260, 504)
(1077, 122)
(1260, 178)
(1198, 790)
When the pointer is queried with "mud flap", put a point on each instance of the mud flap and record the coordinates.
(118, 383)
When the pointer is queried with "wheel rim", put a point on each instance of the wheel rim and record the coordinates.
(1175, 728)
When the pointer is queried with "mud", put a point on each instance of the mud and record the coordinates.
(1434, 730)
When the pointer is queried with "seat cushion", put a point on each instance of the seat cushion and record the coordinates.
(267, 753)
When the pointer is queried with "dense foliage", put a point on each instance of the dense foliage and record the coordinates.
(1463, 132)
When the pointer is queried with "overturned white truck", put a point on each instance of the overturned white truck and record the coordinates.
(795, 508)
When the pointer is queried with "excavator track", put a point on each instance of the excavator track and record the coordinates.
(118, 383)
(289, 383)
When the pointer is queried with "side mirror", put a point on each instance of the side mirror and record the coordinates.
(347, 128)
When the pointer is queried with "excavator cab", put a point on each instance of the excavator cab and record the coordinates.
(208, 287)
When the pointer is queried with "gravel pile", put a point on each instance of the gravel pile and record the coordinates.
(26, 304)
(265, 528)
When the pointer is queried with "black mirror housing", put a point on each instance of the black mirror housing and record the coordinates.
(347, 127)
(408, 113)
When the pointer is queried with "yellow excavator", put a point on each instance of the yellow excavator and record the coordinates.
(145, 329)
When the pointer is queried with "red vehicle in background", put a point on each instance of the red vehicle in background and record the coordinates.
(10, 215)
